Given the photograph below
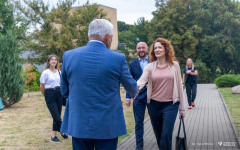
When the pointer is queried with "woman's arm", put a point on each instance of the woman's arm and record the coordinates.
(183, 79)
(42, 88)
(195, 73)
(180, 91)
(144, 78)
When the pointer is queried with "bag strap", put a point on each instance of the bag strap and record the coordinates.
(179, 127)
(59, 73)
(181, 121)
(184, 128)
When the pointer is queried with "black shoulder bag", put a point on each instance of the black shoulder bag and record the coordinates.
(64, 99)
(181, 142)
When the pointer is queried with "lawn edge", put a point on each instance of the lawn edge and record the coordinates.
(230, 118)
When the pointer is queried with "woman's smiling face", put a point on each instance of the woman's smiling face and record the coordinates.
(159, 50)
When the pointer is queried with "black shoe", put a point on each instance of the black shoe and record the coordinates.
(65, 136)
(139, 148)
(55, 140)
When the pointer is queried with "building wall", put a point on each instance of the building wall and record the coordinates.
(112, 15)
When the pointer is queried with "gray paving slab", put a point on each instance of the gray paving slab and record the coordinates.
(208, 125)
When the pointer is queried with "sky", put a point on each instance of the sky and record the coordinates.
(127, 10)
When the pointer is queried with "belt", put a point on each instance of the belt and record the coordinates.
(55, 88)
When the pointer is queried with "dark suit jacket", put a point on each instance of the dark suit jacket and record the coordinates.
(136, 71)
(91, 77)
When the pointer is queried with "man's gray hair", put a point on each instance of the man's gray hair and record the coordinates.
(100, 27)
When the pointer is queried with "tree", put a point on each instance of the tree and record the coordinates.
(219, 44)
(122, 26)
(6, 17)
(60, 28)
(174, 20)
(204, 30)
(135, 34)
(10, 20)
(11, 82)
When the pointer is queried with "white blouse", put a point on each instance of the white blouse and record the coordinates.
(50, 79)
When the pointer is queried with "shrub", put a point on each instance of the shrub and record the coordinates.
(11, 82)
(228, 80)
(31, 76)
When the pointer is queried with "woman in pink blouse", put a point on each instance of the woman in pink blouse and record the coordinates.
(165, 91)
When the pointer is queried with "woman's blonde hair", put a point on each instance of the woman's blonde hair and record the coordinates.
(192, 64)
(48, 60)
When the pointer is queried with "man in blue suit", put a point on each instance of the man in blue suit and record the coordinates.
(91, 77)
(140, 102)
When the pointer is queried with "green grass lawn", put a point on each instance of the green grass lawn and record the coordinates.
(233, 104)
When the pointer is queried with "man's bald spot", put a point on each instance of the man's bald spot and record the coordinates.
(145, 44)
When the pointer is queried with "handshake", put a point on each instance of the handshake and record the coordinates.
(128, 102)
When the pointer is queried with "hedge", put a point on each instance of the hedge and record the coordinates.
(227, 80)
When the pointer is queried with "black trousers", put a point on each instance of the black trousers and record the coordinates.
(54, 102)
(97, 144)
(191, 90)
(163, 116)
(139, 107)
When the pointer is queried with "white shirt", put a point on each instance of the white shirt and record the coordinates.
(143, 63)
(97, 41)
(50, 79)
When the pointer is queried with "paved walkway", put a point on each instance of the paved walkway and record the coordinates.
(208, 125)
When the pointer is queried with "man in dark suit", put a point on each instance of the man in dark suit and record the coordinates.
(139, 104)
(91, 77)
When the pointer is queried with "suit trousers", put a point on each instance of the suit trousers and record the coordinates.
(94, 144)
(139, 107)
(54, 102)
(163, 116)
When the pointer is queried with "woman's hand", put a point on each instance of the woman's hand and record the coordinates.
(182, 115)
(189, 71)
(137, 93)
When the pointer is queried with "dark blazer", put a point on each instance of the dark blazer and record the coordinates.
(91, 77)
(136, 71)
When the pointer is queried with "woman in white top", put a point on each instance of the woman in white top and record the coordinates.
(50, 88)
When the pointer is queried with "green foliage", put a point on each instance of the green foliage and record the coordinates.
(135, 34)
(11, 82)
(122, 26)
(227, 80)
(204, 73)
(11, 20)
(61, 29)
(6, 17)
(31, 77)
(205, 30)
(35, 84)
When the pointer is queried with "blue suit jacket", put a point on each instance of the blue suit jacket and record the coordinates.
(91, 77)
(136, 71)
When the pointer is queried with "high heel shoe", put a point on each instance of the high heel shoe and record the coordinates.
(193, 104)
(189, 107)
